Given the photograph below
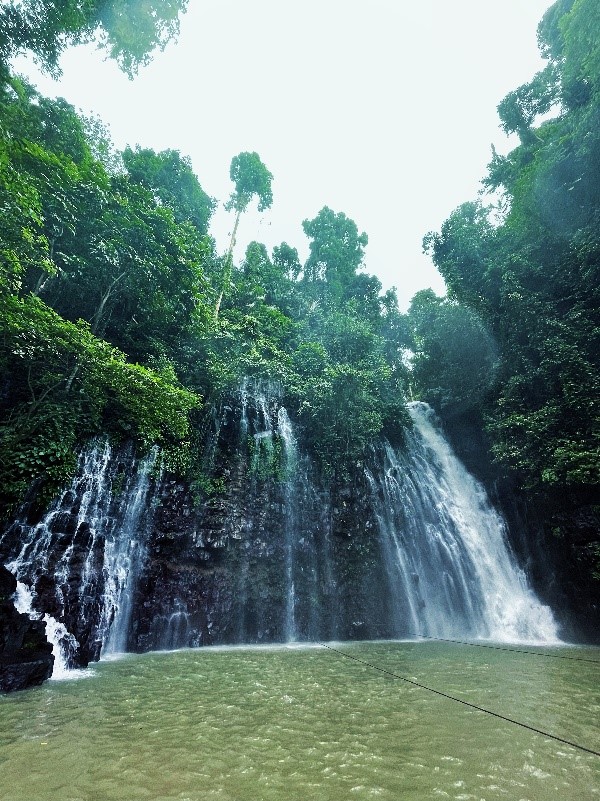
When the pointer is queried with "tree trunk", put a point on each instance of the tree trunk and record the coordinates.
(97, 318)
(46, 274)
(228, 264)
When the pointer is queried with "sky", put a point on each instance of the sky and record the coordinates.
(382, 109)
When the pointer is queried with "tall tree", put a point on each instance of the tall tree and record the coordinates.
(336, 250)
(252, 180)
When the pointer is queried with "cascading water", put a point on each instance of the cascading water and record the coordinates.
(273, 456)
(123, 558)
(77, 565)
(410, 547)
(298, 517)
(414, 548)
(56, 633)
(290, 468)
(451, 572)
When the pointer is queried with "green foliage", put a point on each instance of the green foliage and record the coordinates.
(244, 344)
(251, 179)
(177, 457)
(341, 416)
(533, 273)
(520, 109)
(336, 250)
(127, 257)
(35, 448)
(169, 176)
(203, 486)
(108, 292)
(23, 246)
(285, 258)
(65, 385)
(266, 457)
(129, 30)
(454, 356)
(463, 247)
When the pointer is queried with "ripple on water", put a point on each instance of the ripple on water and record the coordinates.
(301, 724)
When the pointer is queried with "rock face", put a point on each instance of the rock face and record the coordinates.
(256, 547)
(273, 556)
(25, 655)
(567, 532)
(131, 559)
(203, 585)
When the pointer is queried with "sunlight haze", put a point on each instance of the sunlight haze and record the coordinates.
(385, 111)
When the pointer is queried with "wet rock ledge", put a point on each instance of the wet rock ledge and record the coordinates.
(25, 655)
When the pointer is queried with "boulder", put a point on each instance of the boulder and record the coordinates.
(26, 658)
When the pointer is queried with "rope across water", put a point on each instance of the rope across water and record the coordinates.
(512, 650)
(460, 701)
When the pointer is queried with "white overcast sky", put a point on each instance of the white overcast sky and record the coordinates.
(382, 109)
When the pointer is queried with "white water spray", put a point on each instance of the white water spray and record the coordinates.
(451, 570)
(86, 553)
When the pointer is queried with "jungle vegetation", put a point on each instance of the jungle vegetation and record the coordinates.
(118, 314)
(523, 261)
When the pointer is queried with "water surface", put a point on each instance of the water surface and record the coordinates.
(302, 723)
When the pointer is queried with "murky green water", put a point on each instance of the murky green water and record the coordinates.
(295, 724)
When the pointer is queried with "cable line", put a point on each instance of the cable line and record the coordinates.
(464, 703)
(513, 650)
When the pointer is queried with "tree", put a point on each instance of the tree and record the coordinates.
(533, 273)
(63, 385)
(286, 259)
(251, 179)
(520, 109)
(170, 177)
(134, 273)
(49, 169)
(336, 250)
(465, 247)
(127, 29)
(23, 246)
(454, 356)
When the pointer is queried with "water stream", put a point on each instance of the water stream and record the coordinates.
(450, 567)
(124, 556)
(77, 566)
(293, 512)
(436, 562)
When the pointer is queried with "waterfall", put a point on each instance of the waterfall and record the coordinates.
(411, 546)
(450, 569)
(56, 633)
(124, 555)
(77, 566)
(273, 460)
(290, 468)
(284, 579)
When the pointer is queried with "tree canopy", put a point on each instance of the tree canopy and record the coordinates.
(251, 179)
(534, 275)
(108, 286)
(128, 30)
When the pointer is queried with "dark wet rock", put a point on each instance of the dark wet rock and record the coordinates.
(216, 566)
(25, 655)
